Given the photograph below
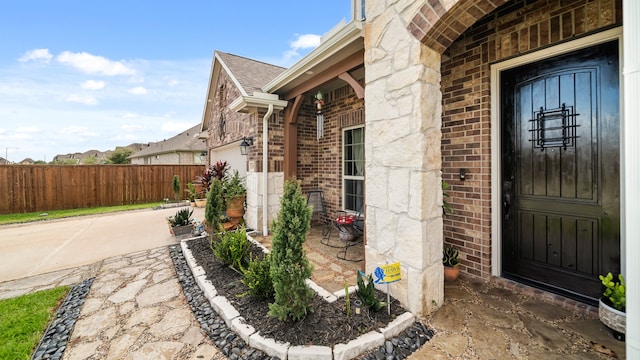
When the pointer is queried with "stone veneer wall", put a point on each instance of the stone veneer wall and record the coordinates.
(320, 161)
(513, 29)
(403, 159)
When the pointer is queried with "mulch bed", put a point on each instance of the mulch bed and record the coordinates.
(327, 325)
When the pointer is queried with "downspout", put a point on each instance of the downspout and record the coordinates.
(265, 169)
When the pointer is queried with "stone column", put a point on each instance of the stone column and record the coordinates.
(403, 160)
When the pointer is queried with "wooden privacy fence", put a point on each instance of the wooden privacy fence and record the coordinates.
(31, 188)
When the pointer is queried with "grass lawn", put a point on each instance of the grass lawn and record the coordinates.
(24, 319)
(57, 214)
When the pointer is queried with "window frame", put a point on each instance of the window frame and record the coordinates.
(344, 177)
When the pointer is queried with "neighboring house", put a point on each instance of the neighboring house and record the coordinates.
(27, 161)
(3, 161)
(186, 148)
(516, 104)
(93, 157)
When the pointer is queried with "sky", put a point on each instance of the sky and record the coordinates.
(95, 74)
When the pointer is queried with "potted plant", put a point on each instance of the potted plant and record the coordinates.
(235, 193)
(451, 263)
(180, 223)
(191, 193)
(612, 305)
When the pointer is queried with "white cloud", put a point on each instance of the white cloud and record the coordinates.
(130, 116)
(125, 137)
(87, 100)
(305, 41)
(174, 128)
(21, 136)
(132, 128)
(138, 90)
(2, 131)
(92, 64)
(37, 55)
(28, 129)
(93, 85)
(173, 82)
(77, 131)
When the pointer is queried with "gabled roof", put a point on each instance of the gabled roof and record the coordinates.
(248, 76)
(186, 141)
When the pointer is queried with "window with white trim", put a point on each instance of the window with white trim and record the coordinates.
(353, 169)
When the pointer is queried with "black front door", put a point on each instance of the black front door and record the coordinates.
(560, 171)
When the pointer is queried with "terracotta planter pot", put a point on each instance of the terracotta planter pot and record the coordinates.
(451, 273)
(614, 319)
(201, 203)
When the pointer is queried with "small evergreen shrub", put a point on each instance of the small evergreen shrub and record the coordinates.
(233, 248)
(257, 277)
(215, 206)
(367, 293)
(175, 185)
(289, 264)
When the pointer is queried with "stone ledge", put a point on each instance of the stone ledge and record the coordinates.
(269, 346)
(242, 329)
(353, 348)
(398, 325)
(207, 287)
(310, 352)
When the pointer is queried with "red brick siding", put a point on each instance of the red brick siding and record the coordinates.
(319, 163)
(239, 125)
(515, 28)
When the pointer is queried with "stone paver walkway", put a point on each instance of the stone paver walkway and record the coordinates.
(136, 310)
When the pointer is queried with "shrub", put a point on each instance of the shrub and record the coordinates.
(615, 291)
(257, 278)
(176, 187)
(182, 217)
(289, 264)
(215, 206)
(233, 248)
(367, 293)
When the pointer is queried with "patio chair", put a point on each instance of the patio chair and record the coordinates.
(315, 199)
(350, 231)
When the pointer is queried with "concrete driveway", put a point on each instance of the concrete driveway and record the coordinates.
(45, 246)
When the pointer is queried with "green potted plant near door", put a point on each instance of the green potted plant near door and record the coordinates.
(612, 305)
(451, 264)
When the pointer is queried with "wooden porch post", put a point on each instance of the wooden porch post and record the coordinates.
(291, 138)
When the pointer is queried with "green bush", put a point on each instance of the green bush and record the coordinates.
(289, 264)
(615, 291)
(367, 293)
(215, 206)
(233, 248)
(257, 277)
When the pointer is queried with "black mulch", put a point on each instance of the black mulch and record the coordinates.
(327, 325)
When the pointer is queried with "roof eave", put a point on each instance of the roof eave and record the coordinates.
(251, 104)
(344, 36)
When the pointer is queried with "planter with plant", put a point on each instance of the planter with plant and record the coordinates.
(181, 222)
(451, 263)
(235, 193)
(191, 193)
(612, 305)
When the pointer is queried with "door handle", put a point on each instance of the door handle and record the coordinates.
(506, 200)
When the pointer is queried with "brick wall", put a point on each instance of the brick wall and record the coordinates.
(319, 163)
(518, 27)
(239, 125)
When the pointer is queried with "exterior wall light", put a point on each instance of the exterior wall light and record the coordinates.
(244, 145)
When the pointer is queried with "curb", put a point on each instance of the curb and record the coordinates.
(232, 318)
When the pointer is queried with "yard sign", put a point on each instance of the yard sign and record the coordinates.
(387, 274)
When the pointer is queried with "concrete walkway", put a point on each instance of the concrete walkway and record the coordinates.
(47, 246)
